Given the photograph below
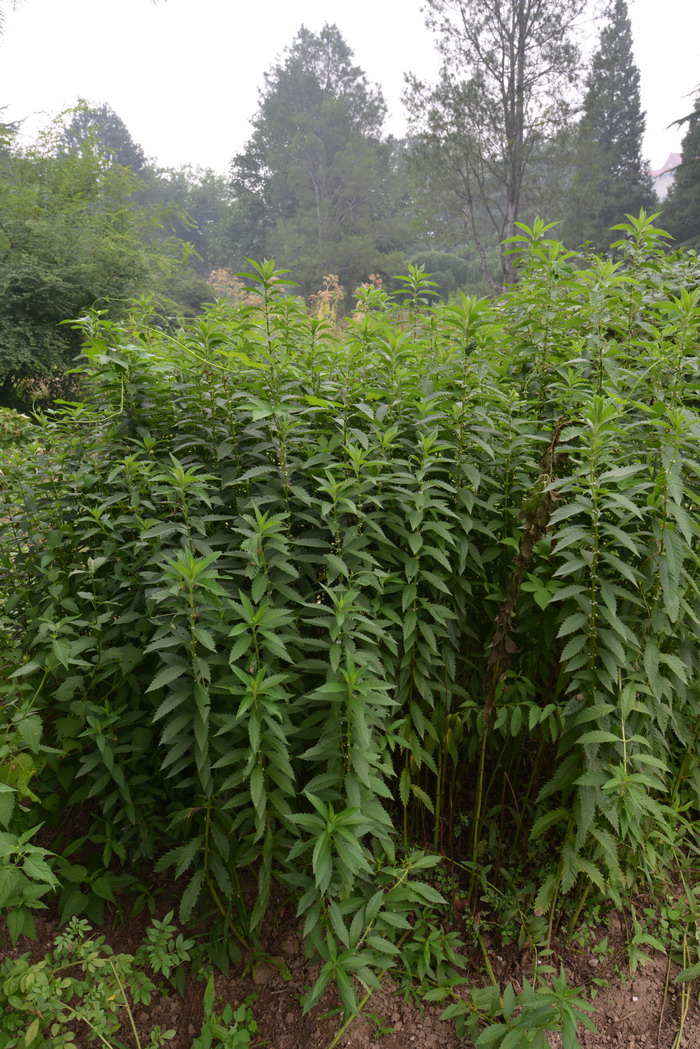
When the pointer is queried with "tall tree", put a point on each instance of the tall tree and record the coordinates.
(505, 86)
(611, 176)
(314, 179)
(100, 129)
(683, 202)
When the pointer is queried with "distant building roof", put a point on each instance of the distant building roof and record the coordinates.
(663, 177)
(674, 161)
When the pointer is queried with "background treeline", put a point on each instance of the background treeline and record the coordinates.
(88, 221)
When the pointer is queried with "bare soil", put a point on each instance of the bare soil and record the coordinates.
(640, 1010)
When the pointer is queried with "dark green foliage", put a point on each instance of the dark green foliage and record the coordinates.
(508, 1020)
(547, 182)
(73, 237)
(610, 174)
(275, 594)
(450, 272)
(61, 252)
(98, 129)
(682, 215)
(505, 87)
(315, 181)
(197, 206)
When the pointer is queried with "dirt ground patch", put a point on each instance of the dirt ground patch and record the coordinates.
(640, 1010)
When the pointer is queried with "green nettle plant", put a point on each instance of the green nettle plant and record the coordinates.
(81, 986)
(290, 604)
(509, 1020)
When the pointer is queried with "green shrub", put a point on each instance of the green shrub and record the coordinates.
(14, 427)
(277, 593)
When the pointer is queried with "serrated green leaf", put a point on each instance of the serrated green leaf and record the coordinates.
(598, 736)
(166, 676)
(419, 793)
(191, 895)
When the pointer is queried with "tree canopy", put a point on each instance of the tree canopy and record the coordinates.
(505, 86)
(314, 183)
(683, 202)
(611, 176)
(73, 236)
(99, 128)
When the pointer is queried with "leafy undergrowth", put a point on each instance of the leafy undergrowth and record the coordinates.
(159, 999)
(362, 615)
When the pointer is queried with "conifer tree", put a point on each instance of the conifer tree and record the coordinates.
(314, 181)
(611, 177)
(682, 217)
(98, 127)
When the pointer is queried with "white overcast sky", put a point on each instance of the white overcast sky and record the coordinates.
(184, 75)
